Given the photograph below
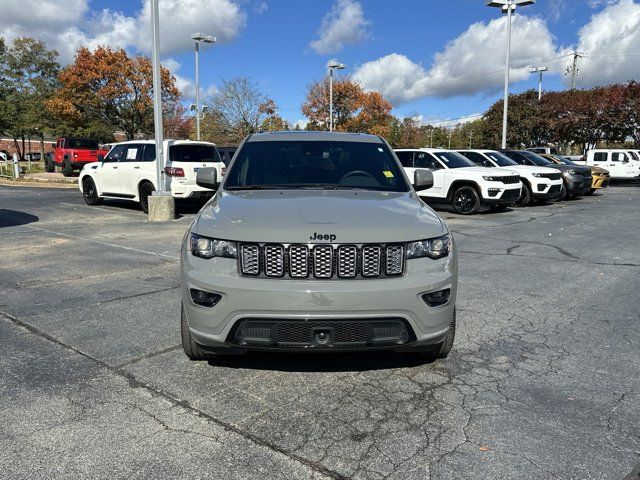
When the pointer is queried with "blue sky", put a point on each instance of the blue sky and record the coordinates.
(426, 56)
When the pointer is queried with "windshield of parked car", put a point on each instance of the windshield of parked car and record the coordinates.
(501, 159)
(634, 155)
(563, 160)
(194, 153)
(536, 159)
(81, 144)
(315, 165)
(454, 160)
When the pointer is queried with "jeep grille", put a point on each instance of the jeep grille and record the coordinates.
(324, 261)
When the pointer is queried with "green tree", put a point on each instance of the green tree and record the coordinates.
(29, 77)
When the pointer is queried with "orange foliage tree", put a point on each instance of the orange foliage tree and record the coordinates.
(354, 109)
(110, 88)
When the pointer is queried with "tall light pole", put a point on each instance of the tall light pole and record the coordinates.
(333, 65)
(539, 70)
(199, 38)
(157, 95)
(508, 7)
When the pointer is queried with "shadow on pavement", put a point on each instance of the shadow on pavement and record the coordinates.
(321, 362)
(14, 218)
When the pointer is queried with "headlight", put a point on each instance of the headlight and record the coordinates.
(539, 175)
(493, 179)
(204, 247)
(574, 172)
(433, 248)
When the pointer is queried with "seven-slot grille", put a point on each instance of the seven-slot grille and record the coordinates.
(510, 179)
(325, 261)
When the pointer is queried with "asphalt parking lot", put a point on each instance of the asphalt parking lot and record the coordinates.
(542, 381)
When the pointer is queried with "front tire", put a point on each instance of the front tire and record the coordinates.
(563, 193)
(67, 168)
(191, 348)
(90, 192)
(49, 166)
(525, 196)
(465, 200)
(591, 191)
(145, 190)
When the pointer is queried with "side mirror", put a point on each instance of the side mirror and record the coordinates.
(101, 158)
(207, 178)
(422, 179)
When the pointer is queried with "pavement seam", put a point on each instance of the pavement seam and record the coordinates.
(135, 383)
(148, 355)
(136, 295)
(98, 242)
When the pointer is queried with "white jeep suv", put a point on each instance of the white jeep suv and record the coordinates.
(459, 182)
(128, 171)
(538, 183)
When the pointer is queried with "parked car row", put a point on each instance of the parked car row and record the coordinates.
(469, 180)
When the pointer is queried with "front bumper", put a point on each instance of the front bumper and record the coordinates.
(325, 301)
(577, 185)
(546, 189)
(501, 195)
(600, 181)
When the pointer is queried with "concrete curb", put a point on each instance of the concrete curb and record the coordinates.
(37, 183)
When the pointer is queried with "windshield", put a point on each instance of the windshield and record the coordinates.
(501, 159)
(82, 144)
(193, 153)
(563, 160)
(536, 159)
(454, 160)
(315, 165)
(634, 155)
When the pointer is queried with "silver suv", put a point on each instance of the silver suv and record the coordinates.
(317, 241)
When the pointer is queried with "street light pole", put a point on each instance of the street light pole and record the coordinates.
(333, 65)
(508, 7)
(157, 95)
(540, 70)
(199, 37)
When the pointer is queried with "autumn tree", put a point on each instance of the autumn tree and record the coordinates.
(346, 102)
(176, 122)
(273, 122)
(110, 90)
(28, 77)
(236, 110)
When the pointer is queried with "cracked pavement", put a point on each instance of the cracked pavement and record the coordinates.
(542, 381)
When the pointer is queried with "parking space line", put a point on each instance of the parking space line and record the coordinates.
(135, 383)
(98, 242)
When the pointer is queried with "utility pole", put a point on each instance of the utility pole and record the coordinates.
(574, 69)
(450, 135)
(431, 143)
(470, 139)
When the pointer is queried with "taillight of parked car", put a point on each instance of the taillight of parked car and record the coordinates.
(174, 171)
(223, 170)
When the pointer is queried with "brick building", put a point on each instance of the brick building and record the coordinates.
(8, 146)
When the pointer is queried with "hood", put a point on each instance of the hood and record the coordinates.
(490, 171)
(531, 169)
(599, 170)
(564, 168)
(296, 216)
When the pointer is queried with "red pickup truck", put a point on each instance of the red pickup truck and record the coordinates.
(72, 153)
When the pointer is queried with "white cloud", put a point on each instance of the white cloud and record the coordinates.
(76, 25)
(343, 25)
(470, 64)
(610, 43)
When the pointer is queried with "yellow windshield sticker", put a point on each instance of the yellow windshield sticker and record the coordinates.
(388, 174)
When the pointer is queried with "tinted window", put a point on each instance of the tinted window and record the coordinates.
(618, 157)
(133, 153)
(501, 159)
(406, 158)
(600, 157)
(149, 153)
(82, 144)
(115, 154)
(477, 158)
(425, 160)
(311, 164)
(193, 153)
(536, 159)
(454, 160)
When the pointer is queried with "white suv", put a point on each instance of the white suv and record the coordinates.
(538, 183)
(128, 171)
(459, 182)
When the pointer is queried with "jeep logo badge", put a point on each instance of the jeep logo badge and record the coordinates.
(322, 237)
